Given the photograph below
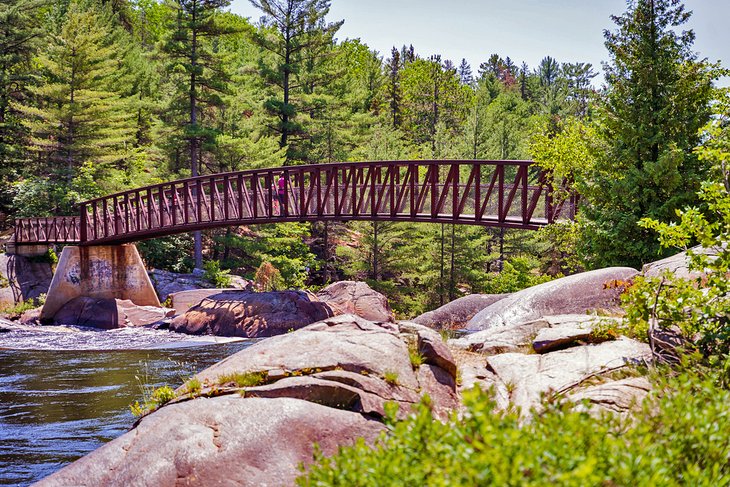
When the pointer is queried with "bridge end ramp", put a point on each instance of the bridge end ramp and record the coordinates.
(101, 272)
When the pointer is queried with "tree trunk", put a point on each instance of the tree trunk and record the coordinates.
(441, 279)
(452, 284)
(197, 236)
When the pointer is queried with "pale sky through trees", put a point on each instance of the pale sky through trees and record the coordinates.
(524, 30)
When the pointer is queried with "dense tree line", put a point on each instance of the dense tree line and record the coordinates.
(99, 96)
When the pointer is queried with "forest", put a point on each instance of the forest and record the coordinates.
(98, 96)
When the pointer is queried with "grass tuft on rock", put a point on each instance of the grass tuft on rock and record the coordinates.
(391, 377)
(243, 379)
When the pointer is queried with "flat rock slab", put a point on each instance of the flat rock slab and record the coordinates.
(677, 264)
(182, 301)
(615, 396)
(357, 298)
(226, 440)
(551, 333)
(167, 283)
(456, 314)
(579, 293)
(520, 379)
(551, 339)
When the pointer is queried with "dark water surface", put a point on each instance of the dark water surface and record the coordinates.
(58, 405)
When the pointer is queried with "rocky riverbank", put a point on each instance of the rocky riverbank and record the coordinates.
(328, 378)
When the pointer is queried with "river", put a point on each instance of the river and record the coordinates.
(64, 393)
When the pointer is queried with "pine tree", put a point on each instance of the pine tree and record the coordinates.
(198, 74)
(296, 34)
(465, 73)
(658, 98)
(393, 87)
(578, 77)
(20, 34)
(80, 126)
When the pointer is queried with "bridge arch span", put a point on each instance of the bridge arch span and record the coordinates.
(508, 194)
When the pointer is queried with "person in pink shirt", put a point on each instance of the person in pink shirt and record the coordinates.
(281, 195)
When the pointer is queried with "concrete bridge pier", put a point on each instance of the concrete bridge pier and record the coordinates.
(100, 272)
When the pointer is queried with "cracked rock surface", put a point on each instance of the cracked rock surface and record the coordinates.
(226, 440)
(553, 356)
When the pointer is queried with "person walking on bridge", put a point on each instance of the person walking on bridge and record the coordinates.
(281, 195)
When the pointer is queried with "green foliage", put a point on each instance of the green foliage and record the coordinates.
(215, 275)
(152, 400)
(678, 441)
(516, 274)
(282, 245)
(658, 98)
(13, 312)
(699, 307)
(81, 125)
(391, 377)
(193, 386)
(243, 379)
(414, 354)
(171, 253)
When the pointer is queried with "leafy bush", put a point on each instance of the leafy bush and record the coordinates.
(215, 275)
(13, 312)
(516, 275)
(699, 307)
(170, 253)
(268, 278)
(679, 439)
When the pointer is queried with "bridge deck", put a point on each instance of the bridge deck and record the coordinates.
(513, 194)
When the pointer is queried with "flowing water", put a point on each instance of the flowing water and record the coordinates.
(64, 393)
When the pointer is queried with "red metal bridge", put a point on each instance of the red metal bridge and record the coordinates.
(509, 194)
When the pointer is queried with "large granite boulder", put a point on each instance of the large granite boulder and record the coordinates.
(23, 278)
(166, 282)
(677, 264)
(228, 440)
(352, 297)
(251, 314)
(351, 361)
(456, 314)
(108, 313)
(579, 293)
(260, 411)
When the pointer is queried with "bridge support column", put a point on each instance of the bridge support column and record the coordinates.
(103, 271)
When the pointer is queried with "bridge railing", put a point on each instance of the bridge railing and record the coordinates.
(50, 230)
(496, 193)
(502, 193)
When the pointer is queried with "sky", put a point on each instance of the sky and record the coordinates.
(524, 30)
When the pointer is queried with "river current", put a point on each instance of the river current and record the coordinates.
(65, 392)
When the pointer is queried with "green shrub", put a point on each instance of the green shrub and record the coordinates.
(680, 438)
(699, 307)
(13, 312)
(152, 399)
(215, 275)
